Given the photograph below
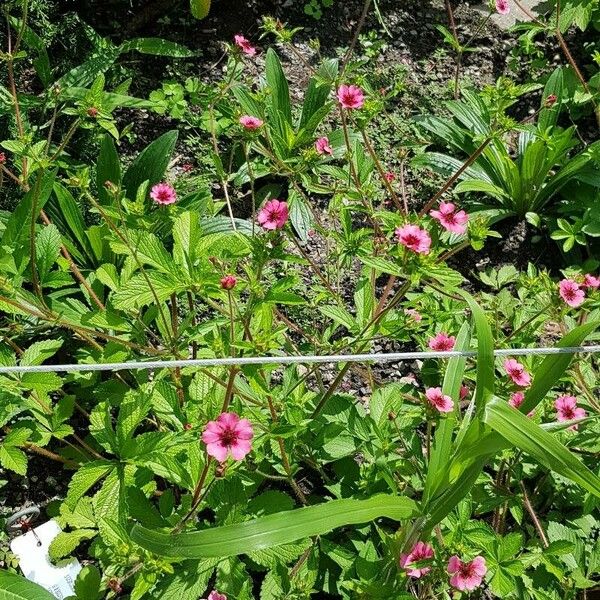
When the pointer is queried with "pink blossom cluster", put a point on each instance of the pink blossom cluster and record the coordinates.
(503, 7)
(567, 409)
(228, 436)
(451, 219)
(350, 97)
(273, 215)
(517, 372)
(244, 45)
(573, 293)
(464, 575)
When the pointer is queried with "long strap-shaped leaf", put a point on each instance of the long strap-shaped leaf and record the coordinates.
(523, 433)
(15, 587)
(442, 443)
(554, 365)
(273, 530)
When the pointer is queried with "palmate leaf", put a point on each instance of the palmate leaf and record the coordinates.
(15, 587)
(273, 530)
(524, 434)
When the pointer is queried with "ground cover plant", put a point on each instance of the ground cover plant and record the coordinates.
(302, 197)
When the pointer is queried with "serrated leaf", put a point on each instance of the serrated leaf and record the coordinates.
(66, 541)
(13, 459)
(87, 476)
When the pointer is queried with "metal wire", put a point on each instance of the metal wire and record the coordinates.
(286, 360)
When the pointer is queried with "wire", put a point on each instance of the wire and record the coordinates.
(286, 360)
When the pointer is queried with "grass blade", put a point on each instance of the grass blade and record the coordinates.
(523, 433)
(273, 530)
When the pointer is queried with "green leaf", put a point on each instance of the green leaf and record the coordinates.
(13, 459)
(87, 584)
(273, 530)
(280, 93)
(300, 215)
(87, 475)
(485, 354)
(19, 223)
(157, 47)
(136, 293)
(66, 214)
(66, 541)
(15, 587)
(108, 168)
(151, 164)
(47, 249)
(38, 352)
(442, 442)
(554, 366)
(523, 433)
(200, 8)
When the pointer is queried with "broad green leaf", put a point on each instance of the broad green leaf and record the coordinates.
(158, 47)
(108, 169)
(38, 352)
(273, 530)
(66, 541)
(526, 435)
(136, 293)
(151, 164)
(87, 584)
(67, 216)
(86, 476)
(200, 8)
(277, 82)
(13, 459)
(18, 225)
(15, 587)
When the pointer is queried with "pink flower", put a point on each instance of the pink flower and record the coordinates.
(466, 575)
(591, 281)
(350, 96)
(421, 551)
(571, 293)
(450, 219)
(414, 314)
(228, 282)
(503, 7)
(245, 46)
(442, 342)
(273, 215)
(464, 391)
(214, 595)
(322, 146)
(414, 238)
(516, 399)
(567, 409)
(438, 400)
(228, 435)
(517, 372)
(389, 176)
(163, 193)
(251, 123)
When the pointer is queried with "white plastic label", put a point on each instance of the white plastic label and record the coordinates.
(34, 561)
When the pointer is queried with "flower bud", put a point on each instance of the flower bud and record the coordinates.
(2, 158)
(92, 112)
(228, 282)
(550, 101)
